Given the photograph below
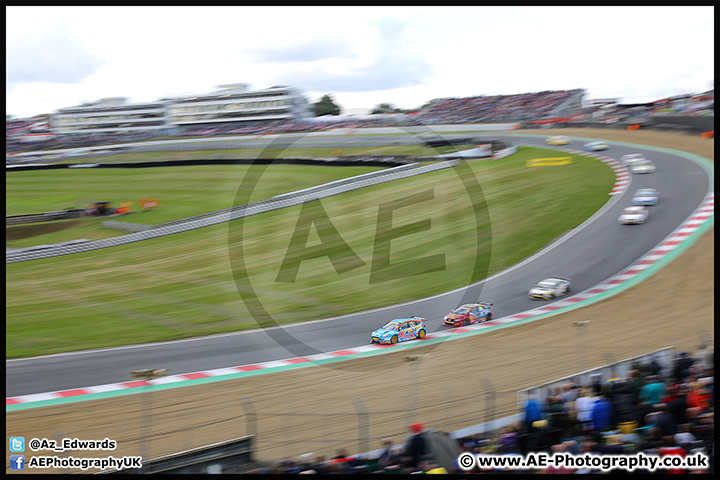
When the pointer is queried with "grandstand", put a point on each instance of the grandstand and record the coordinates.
(111, 115)
(500, 108)
(235, 105)
(235, 110)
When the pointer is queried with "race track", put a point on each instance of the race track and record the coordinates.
(589, 255)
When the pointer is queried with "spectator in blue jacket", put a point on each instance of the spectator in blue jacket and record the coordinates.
(602, 413)
(533, 412)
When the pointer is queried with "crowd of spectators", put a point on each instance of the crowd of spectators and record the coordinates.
(651, 410)
(477, 109)
(494, 108)
(59, 142)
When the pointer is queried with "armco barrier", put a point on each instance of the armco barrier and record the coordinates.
(43, 217)
(323, 191)
(287, 196)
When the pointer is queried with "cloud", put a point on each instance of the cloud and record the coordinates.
(53, 56)
(393, 66)
(304, 51)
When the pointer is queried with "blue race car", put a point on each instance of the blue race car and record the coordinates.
(400, 330)
(596, 146)
(645, 197)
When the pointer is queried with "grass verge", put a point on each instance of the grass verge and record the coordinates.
(184, 285)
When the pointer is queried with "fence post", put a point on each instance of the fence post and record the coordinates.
(610, 360)
(581, 349)
(411, 406)
(489, 394)
(705, 338)
(363, 424)
(251, 425)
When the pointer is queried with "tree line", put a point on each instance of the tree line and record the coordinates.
(327, 106)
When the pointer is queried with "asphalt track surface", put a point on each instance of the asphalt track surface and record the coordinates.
(589, 254)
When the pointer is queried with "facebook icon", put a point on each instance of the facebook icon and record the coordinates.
(17, 462)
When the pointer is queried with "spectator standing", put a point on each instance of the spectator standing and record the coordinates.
(584, 408)
(652, 392)
(684, 436)
(670, 448)
(602, 414)
(509, 440)
(416, 446)
(682, 367)
(665, 421)
(698, 397)
(704, 357)
(384, 458)
(636, 383)
(533, 412)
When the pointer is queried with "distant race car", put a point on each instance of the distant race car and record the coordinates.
(558, 140)
(645, 166)
(596, 146)
(550, 288)
(631, 158)
(468, 314)
(633, 215)
(645, 197)
(400, 330)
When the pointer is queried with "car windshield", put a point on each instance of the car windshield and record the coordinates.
(645, 192)
(547, 283)
(391, 326)
(632, 210)
(461, 310)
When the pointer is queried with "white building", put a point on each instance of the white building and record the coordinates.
(235, 104)
(110, 115)
(231, 105)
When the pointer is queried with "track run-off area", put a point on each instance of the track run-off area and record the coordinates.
(602, 257)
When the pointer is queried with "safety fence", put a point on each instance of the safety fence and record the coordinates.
(304, 419)
(282, 427)
(234, 213)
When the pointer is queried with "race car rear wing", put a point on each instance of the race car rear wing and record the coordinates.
(487, 304)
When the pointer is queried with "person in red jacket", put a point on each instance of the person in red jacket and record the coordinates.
(670, 448)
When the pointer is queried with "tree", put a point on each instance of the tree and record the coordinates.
(326, 106)
(385, 108)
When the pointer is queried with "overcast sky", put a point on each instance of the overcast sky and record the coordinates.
(61, 56)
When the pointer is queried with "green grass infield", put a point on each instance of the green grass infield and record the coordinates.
(376, 246)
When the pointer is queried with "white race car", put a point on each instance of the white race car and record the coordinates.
(643, 166)
(550, 288)
(596, 146)
(558, 140)
(633, 215)
(645, 196)
(631, 158)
